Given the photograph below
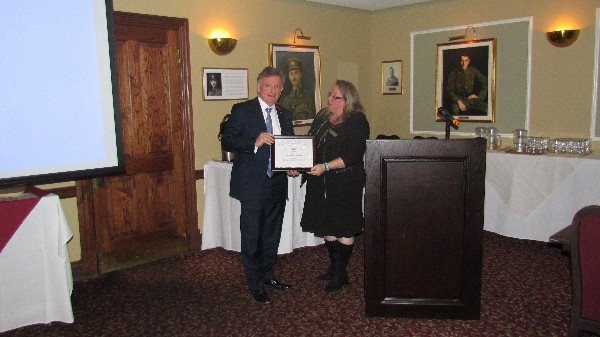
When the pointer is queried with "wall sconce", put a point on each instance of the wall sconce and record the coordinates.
(460, 37)
(301, 36)
(562, 38)
(222, 45)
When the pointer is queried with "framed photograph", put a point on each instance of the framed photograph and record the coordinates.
(466, 80)
(224, 83)
(296, 153)
(301, 68)
(391, 77)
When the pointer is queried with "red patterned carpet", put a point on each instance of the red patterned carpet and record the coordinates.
(526, 291)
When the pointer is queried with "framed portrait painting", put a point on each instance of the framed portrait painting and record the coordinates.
(466, 80)
(301, 68)
(391, 77)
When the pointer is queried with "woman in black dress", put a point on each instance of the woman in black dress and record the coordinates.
(334, 190)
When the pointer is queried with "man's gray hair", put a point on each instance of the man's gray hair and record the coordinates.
(268, 72)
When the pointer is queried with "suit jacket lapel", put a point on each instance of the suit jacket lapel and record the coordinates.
(259, 113)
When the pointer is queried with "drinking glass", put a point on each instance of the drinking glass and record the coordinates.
(480, 132)
(494, 142)
(519, 137)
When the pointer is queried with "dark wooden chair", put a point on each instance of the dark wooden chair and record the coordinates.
(585, 272)
(387, 137)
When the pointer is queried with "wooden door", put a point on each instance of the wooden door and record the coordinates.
(424, 227)
(150, 211)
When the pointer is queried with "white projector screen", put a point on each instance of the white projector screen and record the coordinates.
(59, 104)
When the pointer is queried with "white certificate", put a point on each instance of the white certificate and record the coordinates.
(293, 153)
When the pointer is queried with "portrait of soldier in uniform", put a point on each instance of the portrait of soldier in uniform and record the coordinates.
(214, 85)
(300, 100)
(392, 80)
(467, 89)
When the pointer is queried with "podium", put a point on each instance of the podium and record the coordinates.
(424, 203)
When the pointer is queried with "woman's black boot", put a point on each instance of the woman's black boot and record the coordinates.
(332, 250)
(340, 275)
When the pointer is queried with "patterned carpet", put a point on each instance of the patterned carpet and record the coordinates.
(526, 291)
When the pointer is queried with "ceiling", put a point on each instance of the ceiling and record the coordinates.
(369, 5)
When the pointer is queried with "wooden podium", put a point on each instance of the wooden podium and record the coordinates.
(424, 204)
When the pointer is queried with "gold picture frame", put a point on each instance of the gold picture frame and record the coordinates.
(479, 100)
(306, 60)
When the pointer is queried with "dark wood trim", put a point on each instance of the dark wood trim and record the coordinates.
(187, 128)
(71, 191)
(63, 192)
(77, 271)
(85, 207)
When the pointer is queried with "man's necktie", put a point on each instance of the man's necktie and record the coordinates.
(269, 130)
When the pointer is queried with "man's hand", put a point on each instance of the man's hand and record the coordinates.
(264, 138)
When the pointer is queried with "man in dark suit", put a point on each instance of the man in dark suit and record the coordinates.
(262, 193)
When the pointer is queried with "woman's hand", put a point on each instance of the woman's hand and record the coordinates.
(317, 170)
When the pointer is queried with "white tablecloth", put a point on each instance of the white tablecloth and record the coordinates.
(526, 197)
(222, 213)
(535, 196)
(35, 269)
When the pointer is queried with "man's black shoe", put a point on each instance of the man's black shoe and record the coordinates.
(277, 285)
(261, 296)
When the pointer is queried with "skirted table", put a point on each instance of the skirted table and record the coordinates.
(534, 196)
(35, 269)
(526, 196)
(222, 213)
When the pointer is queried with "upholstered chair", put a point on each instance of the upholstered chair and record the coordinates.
(585, 272)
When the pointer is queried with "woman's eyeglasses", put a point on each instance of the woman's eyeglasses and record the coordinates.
(330, 95)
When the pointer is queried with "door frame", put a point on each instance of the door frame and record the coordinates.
(85, 202)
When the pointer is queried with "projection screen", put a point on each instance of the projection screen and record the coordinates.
(59, 104)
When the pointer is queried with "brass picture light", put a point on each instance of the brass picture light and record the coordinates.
(301, 36)
(460, 37)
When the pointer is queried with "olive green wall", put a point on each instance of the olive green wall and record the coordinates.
(511, 69)
(353, 43)
(561, 78)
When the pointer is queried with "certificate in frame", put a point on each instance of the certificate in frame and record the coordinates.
(293, 153)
